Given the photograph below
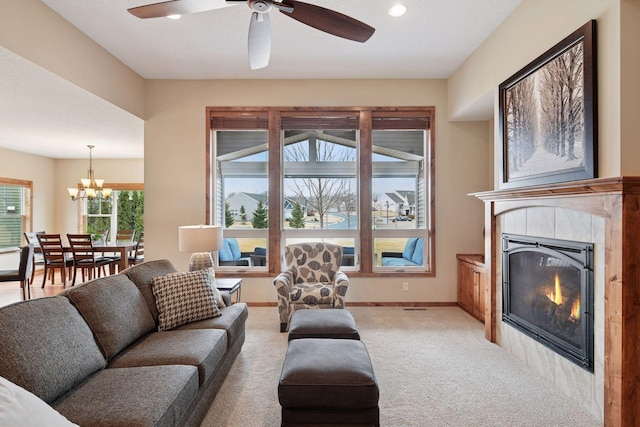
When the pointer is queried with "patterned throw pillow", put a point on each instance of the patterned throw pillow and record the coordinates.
(183, 298)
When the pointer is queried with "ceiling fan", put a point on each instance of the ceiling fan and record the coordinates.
(320, 18)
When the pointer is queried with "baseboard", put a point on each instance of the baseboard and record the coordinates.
(372, 304)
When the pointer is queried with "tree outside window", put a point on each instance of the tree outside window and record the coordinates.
(127, 213)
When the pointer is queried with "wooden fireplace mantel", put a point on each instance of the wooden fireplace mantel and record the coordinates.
(617, 200)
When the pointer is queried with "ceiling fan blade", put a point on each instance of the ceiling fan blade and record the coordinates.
(329, 21)
(177, 7)
(259, 40)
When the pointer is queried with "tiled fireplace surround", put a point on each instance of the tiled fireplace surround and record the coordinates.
(605, 212)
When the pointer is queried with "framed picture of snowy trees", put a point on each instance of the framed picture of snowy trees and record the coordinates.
(548, 115)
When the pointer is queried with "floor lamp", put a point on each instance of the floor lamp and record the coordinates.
(200, 240)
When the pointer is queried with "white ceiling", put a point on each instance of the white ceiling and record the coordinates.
(431, 40)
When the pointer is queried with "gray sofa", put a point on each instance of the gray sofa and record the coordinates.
(95, 355)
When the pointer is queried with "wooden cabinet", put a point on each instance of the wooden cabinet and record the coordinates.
(472, 277)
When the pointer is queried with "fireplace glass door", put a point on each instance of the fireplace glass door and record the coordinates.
(547, 293)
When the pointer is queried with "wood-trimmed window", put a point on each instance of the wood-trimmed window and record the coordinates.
(359, 177)
(96, 217)
(16, 214)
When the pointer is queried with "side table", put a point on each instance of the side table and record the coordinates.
(231, 285)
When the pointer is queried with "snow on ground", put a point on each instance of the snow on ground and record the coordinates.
(544, 162)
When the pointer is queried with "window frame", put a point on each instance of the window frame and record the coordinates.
(276, 231)
(27, 202)
(83, 216)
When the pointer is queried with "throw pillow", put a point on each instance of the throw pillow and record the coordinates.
(19, 407)
(183, 298)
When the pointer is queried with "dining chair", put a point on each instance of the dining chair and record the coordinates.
(38, 259)
(125, 235)
(54, 257)
(104, 235)
(138, 253)
(23, 272)
(122, 236)
(84, 257)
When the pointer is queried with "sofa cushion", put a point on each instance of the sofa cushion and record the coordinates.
(142, 274)
(46, 346)
(312, 293)
(396, 262)
(201, 348)
(143, 396)
(234, 246)
(232, 320)
(313, 262)
(115, 310)
(19, 407)
(327, 323)
(418, 252)
(184, 297)
(409, 248)
(226, 253)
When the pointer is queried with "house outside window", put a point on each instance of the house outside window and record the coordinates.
(360, 178)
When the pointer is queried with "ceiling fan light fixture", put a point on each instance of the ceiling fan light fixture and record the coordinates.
(174, 16)
(320, 18)
(260, 6)
(398, 10)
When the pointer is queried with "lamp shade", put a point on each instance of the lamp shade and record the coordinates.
(199, 238)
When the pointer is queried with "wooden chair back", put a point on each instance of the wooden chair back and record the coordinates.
(54, 257)
(84, 257)
(140, 246)
(125, 235)
(81, 248)
(51, 248)
(138, 254)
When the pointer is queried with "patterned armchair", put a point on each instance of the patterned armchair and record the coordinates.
(312, 279)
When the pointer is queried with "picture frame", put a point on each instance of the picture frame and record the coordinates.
(548, 115)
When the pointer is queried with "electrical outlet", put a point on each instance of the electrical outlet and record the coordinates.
(405, 286)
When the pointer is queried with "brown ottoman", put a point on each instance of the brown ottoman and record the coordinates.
(328, 381)
(323, 323)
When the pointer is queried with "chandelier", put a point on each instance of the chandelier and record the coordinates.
(90, 188)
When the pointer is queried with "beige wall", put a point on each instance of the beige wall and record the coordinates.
(175, 133)
(630, 87)
(37, 33)
(40, 171)
(534, 27)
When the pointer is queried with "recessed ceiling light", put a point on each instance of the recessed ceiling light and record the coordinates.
(173, 16)
(398, 10)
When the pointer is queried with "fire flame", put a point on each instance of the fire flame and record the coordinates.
(575, 310)
(557, 295)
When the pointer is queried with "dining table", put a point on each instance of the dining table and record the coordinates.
(121, 248)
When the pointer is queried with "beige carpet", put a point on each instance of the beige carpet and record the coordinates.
(434, 368)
